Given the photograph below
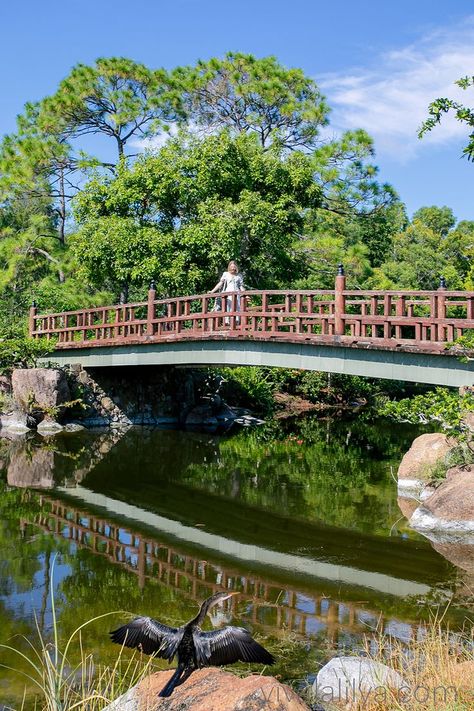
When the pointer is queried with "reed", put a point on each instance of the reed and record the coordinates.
(53, 683)
(437, 668)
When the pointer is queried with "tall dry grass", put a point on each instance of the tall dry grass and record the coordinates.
(437, 669)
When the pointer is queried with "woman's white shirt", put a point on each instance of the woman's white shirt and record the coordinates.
(231, 282)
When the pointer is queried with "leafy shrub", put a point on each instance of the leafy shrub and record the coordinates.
(249, 387)
(23, 352)
(441, 405)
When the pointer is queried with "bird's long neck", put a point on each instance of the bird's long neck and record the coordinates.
(201, 615)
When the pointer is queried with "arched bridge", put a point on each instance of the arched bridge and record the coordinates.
(400, 335)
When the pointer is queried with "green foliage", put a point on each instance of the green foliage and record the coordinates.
(256, 387)
(431, 246)
(462, 113)
(179, 214)
(115, 97)
(23, 352)
(442, 405)
(249, 387)
(281, 106)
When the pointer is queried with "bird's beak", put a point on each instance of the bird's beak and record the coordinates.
(229, 595)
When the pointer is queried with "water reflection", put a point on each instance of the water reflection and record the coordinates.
(304, 523)
(269, 603)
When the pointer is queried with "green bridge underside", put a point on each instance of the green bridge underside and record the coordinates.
(372, 362)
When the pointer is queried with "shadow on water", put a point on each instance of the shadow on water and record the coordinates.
(302, 520)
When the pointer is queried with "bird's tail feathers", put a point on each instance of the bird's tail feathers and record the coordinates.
(168, 688)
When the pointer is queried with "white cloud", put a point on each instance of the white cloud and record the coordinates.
(390, 99)
(154, 143)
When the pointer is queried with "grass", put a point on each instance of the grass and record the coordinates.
(437, 668)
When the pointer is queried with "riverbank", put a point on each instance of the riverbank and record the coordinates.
(51, 398)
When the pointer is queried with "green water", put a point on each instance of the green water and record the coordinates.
(302, 519)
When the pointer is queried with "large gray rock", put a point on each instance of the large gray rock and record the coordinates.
(448, 514)
(211, 689)
(49, 427)
(348, 678)
(45, 389)
(17, 422)
(31, 468)
(417, 464)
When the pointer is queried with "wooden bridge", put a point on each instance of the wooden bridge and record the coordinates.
(401, 335)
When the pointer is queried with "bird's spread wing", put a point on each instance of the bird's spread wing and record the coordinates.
(149, 636)
(228, 645)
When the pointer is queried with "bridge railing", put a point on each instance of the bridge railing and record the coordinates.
(426, 319)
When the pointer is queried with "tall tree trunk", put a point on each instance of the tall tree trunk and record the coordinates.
(120, 147)
(62, 209)
(124, 293)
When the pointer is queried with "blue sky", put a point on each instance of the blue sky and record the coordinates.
(378, 63)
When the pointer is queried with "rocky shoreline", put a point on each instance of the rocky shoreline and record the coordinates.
(52, 400)
(444, 510)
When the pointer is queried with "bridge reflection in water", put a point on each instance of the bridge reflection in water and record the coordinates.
(272, 605)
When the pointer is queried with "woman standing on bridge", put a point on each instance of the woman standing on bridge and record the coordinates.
(230, 281)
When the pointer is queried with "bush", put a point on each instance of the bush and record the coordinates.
(441, 405)
(23, 352)
(249, 387)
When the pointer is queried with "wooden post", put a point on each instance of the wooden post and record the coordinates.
(243, 312)
(400, 313)
(151, 309)
(31, 321)
(441, 298)
(264, 311)
(339, 302)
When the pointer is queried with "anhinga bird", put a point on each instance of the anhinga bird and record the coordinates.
(193, 647)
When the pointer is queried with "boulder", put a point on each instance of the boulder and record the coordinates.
(49, 427)
(348, 678)
(448, 514)
(211, 689)
(18, 422)
(416, 466)
(459, 554)
(407, 506)
(31, 468)
(47, 387)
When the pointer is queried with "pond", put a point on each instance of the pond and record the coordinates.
(301, 518)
